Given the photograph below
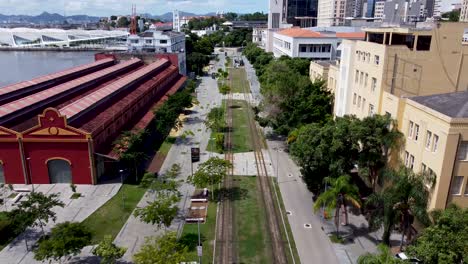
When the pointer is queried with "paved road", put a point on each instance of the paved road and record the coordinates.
(312, 243)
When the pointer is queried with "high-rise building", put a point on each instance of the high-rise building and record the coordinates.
(331, 13)
(398, 12)
(369, 12)
(301, 13)
(289, 13)
(417, 76)
(379, 9)
(176, 20)
(464, 11)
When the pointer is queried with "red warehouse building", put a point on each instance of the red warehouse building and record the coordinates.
(59, 128)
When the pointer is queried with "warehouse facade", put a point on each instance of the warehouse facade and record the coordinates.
(60, 128)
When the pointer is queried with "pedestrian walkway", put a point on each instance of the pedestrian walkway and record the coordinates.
(76, 210)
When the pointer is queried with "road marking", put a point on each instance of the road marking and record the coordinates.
(308, 226)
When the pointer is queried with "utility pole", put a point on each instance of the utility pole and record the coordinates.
(30, 172)
(123, 195)
(199, 249)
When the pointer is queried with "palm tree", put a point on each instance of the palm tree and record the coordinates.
(340, 192)
(384, 256)
(404, 195)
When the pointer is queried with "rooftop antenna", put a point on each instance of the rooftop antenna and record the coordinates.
(133, 24)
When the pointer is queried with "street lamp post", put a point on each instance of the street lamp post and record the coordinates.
(123, 195)
(30, 172)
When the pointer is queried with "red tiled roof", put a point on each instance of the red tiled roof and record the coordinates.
(85, 104)
(46, 78)
(296, 32)
(101, 120)
(43, 96)
(353, 35)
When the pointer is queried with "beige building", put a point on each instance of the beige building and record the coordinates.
(464, 11)
(378, 74)
(325, 70)
(436, 134)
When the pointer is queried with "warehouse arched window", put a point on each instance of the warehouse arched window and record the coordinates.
(2, 172)
(59, 170)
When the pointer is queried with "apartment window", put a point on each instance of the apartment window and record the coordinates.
(456, 185)
(373, 84)
(428, 139)
(377, 59)
(423, 167)
(163, 41)
(407, 158)
(148, 41)
(416, 132)
(435, 144)
(411, 162)
(361, 79)
(359, 101)
(371, 110)
(463, 151)
(368, 57)
(303, 48)
(411, 129)
(354, 98)
(358, 55)
(363, 102)
(356, 79)
(466, 188)
(365, 80)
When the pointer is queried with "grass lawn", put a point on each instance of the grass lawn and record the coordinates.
(211, 147)
(207, 230)
(166, 145)
(241, 141)
(110, 218)
(253, 236)
(239, 81)
(288, 229)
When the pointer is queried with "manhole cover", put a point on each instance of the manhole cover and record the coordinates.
(307, 226)
(288, 212)
(290, 175)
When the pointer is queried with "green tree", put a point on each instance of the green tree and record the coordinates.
(123, 22)
(162, 250)
(384, 256)
(160, 212)
(210, 172)
(108, 251)
(404, 195)
(327, 150)
(452, 16)
(378, 137)
(65, 239)
(445, 241)
(39, 206)
(338, 195)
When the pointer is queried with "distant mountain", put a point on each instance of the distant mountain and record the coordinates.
(54, 18)
(47, 18)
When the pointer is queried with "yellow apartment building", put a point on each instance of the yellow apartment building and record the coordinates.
(325, 70)
(436, 134)
(399, 71)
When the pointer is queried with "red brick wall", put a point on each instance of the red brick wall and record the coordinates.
(11, 159)
(75, 152)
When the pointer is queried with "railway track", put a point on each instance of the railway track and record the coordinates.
(225, 232)
(272, 213)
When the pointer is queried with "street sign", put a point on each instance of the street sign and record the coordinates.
(195, 154)
(199, 251)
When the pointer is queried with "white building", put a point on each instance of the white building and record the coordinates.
(259, 36)
(379, 9)
(331, 13)
(53, 37)
(176, 20)
(321, 44)
(157, 41)
(464, 11)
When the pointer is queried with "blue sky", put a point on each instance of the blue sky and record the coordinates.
(109, 7)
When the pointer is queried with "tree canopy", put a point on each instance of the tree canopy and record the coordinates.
(210, 172)
(161, 250)
(65, 239)
(108, 251)
(445, 241)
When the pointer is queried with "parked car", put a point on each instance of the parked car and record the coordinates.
(403, 256)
